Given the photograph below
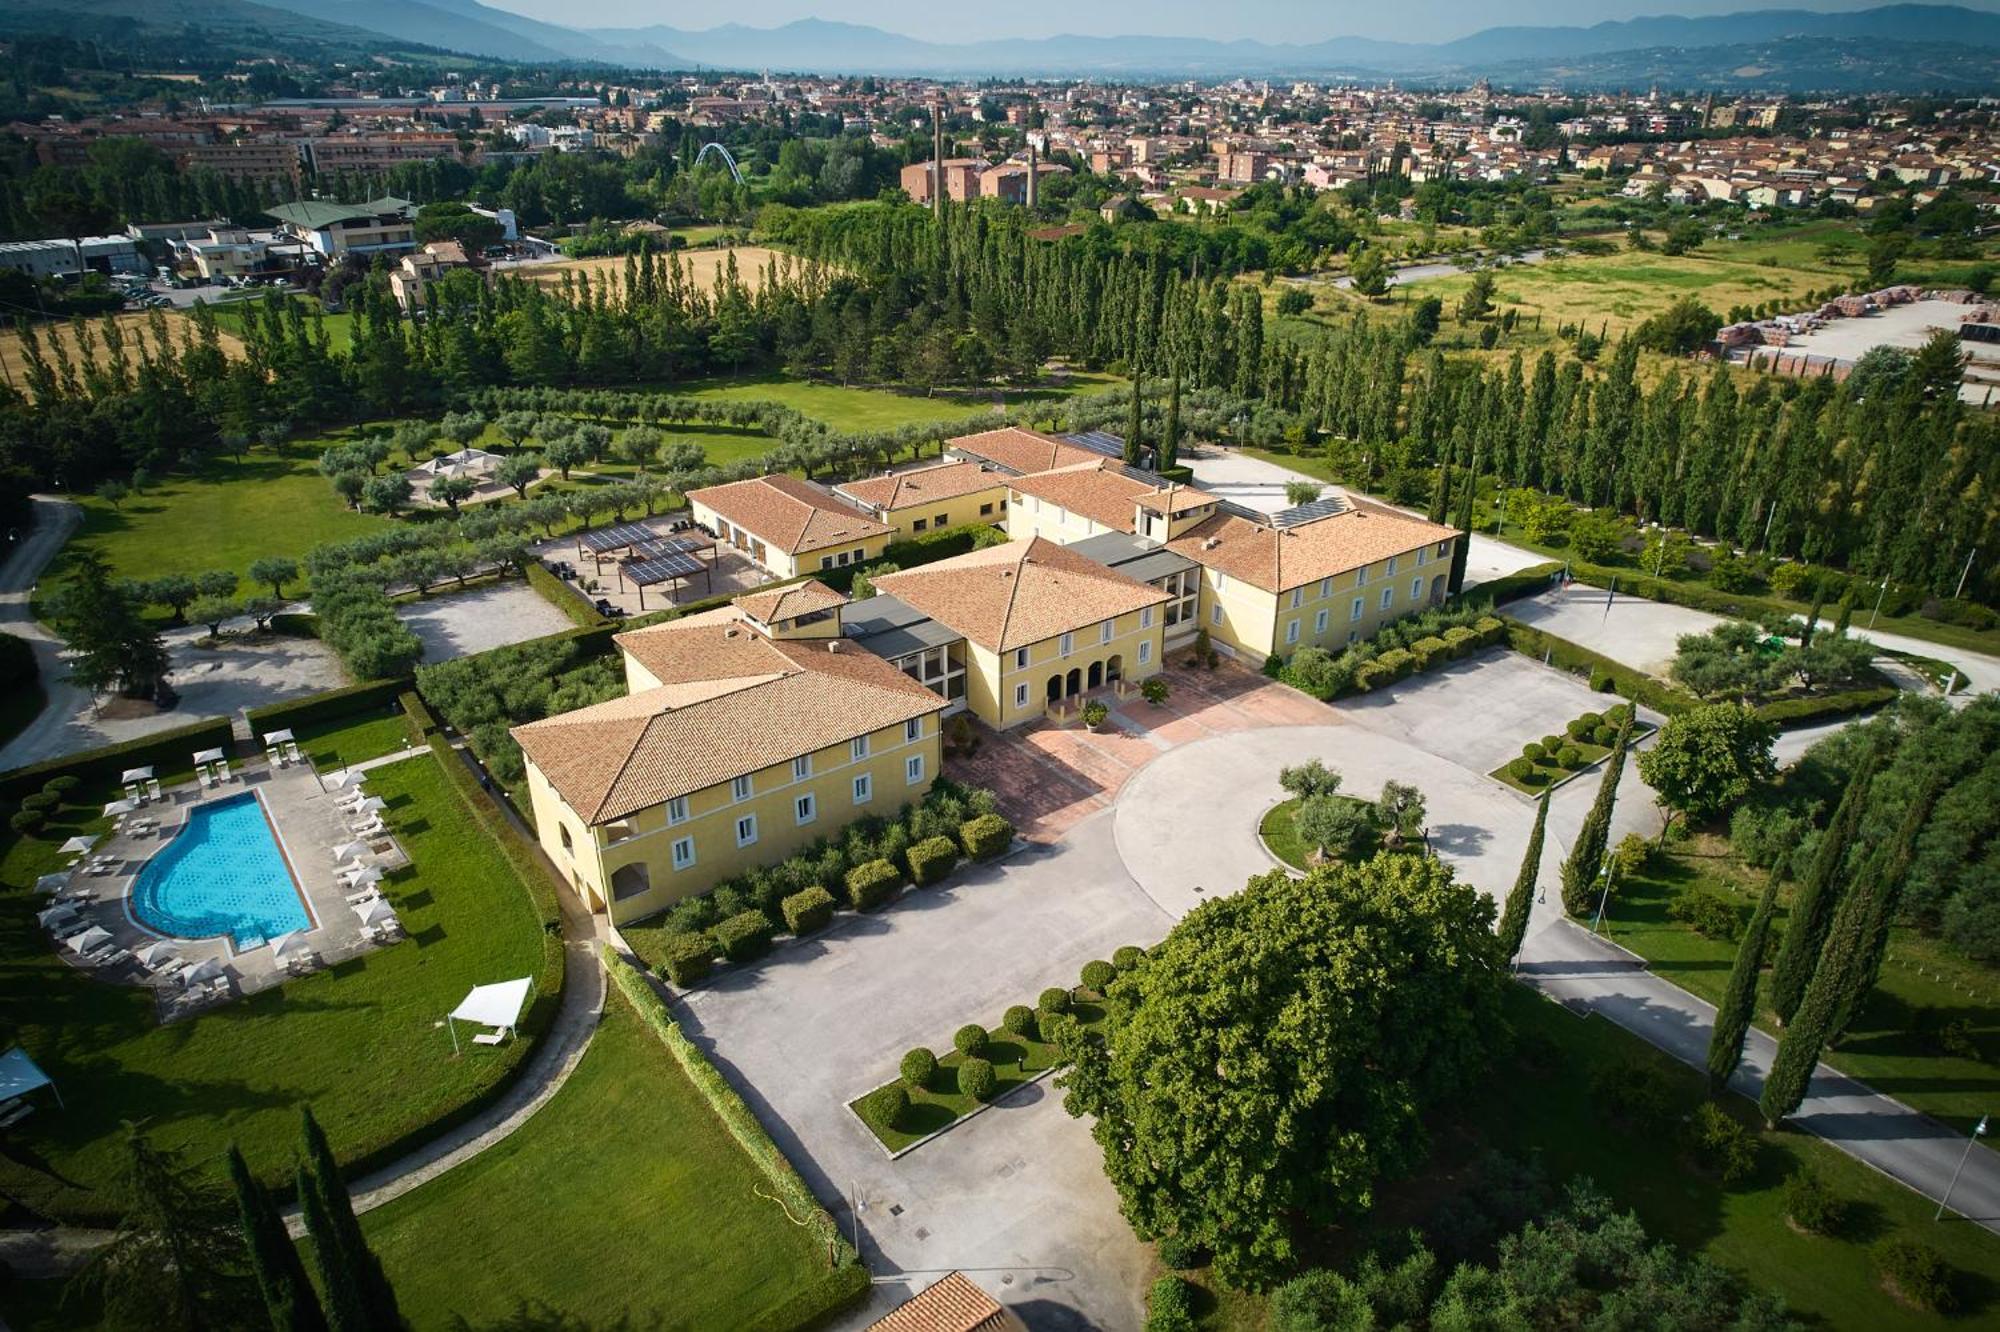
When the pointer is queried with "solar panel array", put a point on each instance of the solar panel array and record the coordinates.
(659, 546)
(661, 569)
(618, 537)
(1305, 513)
(1098, 441)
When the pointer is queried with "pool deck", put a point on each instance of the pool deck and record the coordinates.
(309, 825)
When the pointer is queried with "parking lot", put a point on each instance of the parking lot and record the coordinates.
(458, 624)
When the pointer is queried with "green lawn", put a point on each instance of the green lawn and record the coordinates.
(865, 409)
(622, 1203)
(1281, 834)
(1538, 1102)
(1884, 1048)
(358, 1042)
(336, 742)
(225, 517)
(232, 315)
(933, 1106)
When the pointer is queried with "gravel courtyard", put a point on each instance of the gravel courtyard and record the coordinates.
(458, 624)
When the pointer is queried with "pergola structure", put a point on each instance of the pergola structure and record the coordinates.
(671, 561)
(601, 542)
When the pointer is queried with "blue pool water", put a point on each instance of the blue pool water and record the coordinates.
(221, 874)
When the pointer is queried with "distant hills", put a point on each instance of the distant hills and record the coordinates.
(1892, 48)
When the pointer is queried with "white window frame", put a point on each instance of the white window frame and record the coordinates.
(1423, 554)
(1292, 631)
(1388, 597)
(1360, 607)
(1145, 651)
(913, 730)
(1066, 644)
(802, 767)
(1020, 659)
(1215, 613)
(1020, 696)
(864, 788)
(749, 837)
(683, 853)
(1325, 586)
(913, 769)
(1298, 597)
(805, 809)
(1104, 632)
(1319, 621)
(1443, 546)
(1417, 588)
(1146, 617)
(1389, 569)
(677, 811)
(742, 788)
(857, 748)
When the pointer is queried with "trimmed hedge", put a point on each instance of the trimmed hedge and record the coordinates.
(1829, 705)
(686, 958)
(1430, 651)
(807, 910)
(986, 836)
(741, 1122)
(1018, 1020)
(169, 750)
(872, 883)
(1512, 587)
(969, 1039)
(976, 1078)
(417, 714)
(932, 859)
(1097, 974)
(576, 607)
(1579, 660)
(327, 703)
(1053, 1000)
(744, 936)
(919, 1066)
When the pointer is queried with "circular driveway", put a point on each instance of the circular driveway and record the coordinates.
(1186, 824)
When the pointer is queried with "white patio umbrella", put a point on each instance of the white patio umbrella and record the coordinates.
(345, 780)
(352, 851)
(118, 807)
(79, 845)
(375, 911)
(94, 937)
(136, 775)
(497, 1005)
(367, 876)
(52, 883)
(153, 954)
(207, 969)
(288, 943)
(55, 915)
(278, 737)
(371, 805)
(208, 756)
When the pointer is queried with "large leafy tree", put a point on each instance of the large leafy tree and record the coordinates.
(1273, 1057)
(111, 647)
(1709, 759)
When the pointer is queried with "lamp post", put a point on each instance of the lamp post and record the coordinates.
(1603, 898)
(1978, 1132)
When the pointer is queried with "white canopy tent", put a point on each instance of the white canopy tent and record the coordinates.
(362, 876)
(290, 943)
(208, 969)
(278, 737)
(372, 805)
(19, 1075)
(497, 1005)
(117, 807)
(208, 756)
(211, 764)
(50, 917)
(153, 954)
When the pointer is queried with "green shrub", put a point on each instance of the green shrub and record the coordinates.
(1427, 652)
(686, 957)
(1720, 1144)
(807, 910)
(63, 785)
(1181, 1254)
(969, 1039)
(976, 1079)
(1707, 914)
(1534, 752)
(1128, 957)
(1461, 639)
(1637, 1096)
(1399, 662)
(28, 822)
(1053, 1000)
(1170, 1306)
(1581, 727)
(1604, 736)
(41, 802)
(932, 859)
(887, 1105)
(1812, 1206)
(1097, 975)
(1155, 690)
(1919, 1272)
(919, 1067)
(1600, 680)
(1521, 769)
(986, 836)
(1019, 1021)
(1569, 758)
(744, 936)
(1550, 744)
(872, 883)
(1095, 713)
(1490, 628)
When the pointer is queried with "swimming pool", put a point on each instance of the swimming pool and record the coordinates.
(223, 873)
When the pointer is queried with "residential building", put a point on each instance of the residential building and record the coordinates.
(1069, 503)
(788, 526)
(951, 1304)
(258, 162)
(335, 229)
(931, 499)
(748, 733)
(414, 272)
(225, 252)
(1042, 624)
(961, 179)
(1017, 451)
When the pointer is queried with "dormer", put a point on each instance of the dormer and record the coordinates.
(808, 609)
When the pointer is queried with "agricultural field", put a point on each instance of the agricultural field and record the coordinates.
(865, 409)
(700, 265)
(232, 315)
(134, 323)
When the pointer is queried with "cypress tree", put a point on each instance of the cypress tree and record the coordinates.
(1132, 425)
(1813, 905)
(1586, 857)
(1462, 547)
(288, 1295)
(378, 1300)
(1739, 1001)
(1894, 870)
(1521, 898)
(1170, 438)
(344, 1309)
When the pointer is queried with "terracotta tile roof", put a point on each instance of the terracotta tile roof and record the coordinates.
(1020, 450)
(779, 604)
(1004, 597)
(1175, 498)
(922, 485)
(1279, 560)
(1099, 490)
(788, 513)
(951, 1304)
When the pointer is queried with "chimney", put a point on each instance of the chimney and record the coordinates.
(1034, 191)
(833, 645)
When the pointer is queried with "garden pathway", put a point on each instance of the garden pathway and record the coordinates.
(55, 519)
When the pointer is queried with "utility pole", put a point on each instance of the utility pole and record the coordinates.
(1978, 1132)
(1878, 601)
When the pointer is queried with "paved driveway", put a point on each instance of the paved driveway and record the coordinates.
(458, 624)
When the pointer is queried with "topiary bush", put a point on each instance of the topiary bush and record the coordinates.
(744, 936)
(1569, 758)
(1604, 736)
(919, 1066)
(969, 1039)
(1128, 957)
(871, 883)
(976, 1079)
(1170, 1306)
(1521, 770)
(1550, 744)
(932, 859)
(807, 910)
(28, 822)
(986, 836)
(61, 786)
(887, 1105)
(1533, 752)
(41, 801)
(1019, 1021)
(1097, 975)
(686, 958)
(1053, 1000)
(1812, 1206)
(1581, 727)
(1461, 639)
(1918, 1272)
(1428, 652)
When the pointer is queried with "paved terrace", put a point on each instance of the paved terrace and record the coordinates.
(729, 572)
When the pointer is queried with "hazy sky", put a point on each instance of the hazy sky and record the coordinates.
(1265, 20)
